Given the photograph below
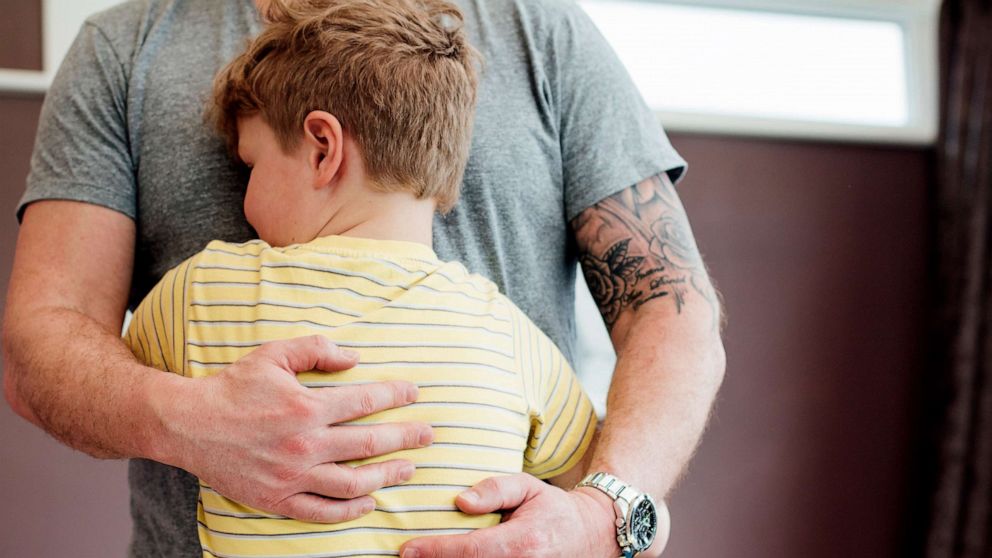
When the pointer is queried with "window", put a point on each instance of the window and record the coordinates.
(830, 69)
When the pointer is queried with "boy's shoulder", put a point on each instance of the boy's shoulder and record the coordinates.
(456, 272)
(245, 249)
(219, 255)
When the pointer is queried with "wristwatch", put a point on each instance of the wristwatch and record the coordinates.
(637, 516)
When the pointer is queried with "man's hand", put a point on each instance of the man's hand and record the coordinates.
(257, 436)
(546, 522)
(252, 431)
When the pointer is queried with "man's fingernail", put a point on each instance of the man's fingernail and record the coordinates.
(470, 497)
(348, 353)
(412, 393)
(407, 472)
(410, 553)
(426, 437)
(367, 507)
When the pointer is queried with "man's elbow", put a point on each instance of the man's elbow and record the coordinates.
(11, 385)
(705, 330)
(717, 362)
(705, 348)
(10, 393)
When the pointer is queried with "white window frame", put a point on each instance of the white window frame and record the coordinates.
(918, 19)
(919, 22)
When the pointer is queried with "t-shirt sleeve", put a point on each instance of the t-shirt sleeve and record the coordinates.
(81, 150)
(610, 139)
(562, 418)
(157, 333)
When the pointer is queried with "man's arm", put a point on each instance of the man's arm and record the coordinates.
(268, 444)
(57, 323)
(643, 268)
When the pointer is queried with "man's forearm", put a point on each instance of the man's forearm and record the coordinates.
(70, 376)
(645, 272)
(65, 366)
(663, 388)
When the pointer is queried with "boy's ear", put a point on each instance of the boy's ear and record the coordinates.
(325, 146)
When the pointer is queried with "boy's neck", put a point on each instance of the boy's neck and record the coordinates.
(383, 216)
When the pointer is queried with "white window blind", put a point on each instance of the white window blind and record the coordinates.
(861, 71)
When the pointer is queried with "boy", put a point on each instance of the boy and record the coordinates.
(355, 117)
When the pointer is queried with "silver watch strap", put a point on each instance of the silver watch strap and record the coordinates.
(612, 486)
(623, 495)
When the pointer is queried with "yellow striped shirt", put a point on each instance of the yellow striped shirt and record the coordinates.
(500, 396)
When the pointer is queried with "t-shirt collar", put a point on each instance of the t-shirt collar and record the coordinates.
(354, 246)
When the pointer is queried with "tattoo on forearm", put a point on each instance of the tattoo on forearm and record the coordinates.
(636, 246)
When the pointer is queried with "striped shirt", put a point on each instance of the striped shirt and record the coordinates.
(500, 396)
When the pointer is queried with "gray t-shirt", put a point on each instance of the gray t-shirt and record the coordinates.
(559, 126)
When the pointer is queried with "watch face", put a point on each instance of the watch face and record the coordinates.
(643, 524)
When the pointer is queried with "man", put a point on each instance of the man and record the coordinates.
(566, 162)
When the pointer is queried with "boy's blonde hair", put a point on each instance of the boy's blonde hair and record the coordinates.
(398, 74)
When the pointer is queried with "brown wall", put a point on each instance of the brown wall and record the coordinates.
(819, 251)
(20, 34)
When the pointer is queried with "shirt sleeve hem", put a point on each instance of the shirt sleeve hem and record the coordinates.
(672, 164)
(70, 192)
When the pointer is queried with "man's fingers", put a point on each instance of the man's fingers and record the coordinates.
(316, 509)
(491, 542)
(345, 403)
(341, 481)
(360, 442)
(499, 493)
(314, 352)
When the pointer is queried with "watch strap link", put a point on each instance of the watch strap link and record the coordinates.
(612, 486)
(623, 495)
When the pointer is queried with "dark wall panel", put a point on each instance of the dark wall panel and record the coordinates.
(819, 251)
(20, 34)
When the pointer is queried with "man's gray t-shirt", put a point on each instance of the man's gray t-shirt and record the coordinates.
(559, 126)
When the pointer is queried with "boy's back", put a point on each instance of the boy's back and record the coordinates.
(499, 395)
